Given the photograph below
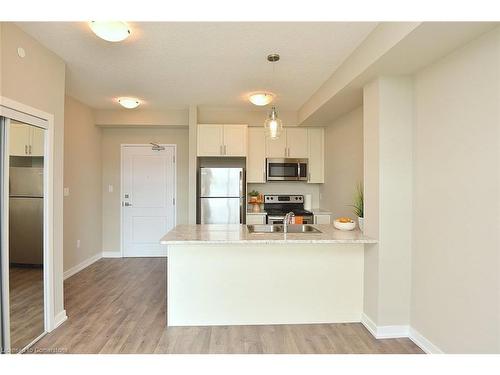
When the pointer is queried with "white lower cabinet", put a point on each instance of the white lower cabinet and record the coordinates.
(256, 219)
(322, 219)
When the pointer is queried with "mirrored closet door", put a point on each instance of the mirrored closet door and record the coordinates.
(25, 254)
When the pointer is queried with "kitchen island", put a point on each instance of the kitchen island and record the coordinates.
(225, 275)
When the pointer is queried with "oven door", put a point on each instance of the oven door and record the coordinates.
(286, 169)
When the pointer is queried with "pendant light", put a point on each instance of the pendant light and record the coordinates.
(273, 126)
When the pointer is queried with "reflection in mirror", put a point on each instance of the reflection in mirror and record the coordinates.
(26, 191)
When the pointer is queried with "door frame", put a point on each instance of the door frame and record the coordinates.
(123, 146)
(11, 109)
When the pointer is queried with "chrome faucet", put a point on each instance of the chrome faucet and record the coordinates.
(287, 220)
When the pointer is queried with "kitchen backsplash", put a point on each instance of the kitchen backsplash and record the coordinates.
(278, 187)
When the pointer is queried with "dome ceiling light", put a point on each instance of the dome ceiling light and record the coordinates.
(261, 98)
(112, 31)
(129, 103)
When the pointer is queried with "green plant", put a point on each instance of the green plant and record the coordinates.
(254, 193)
(359, 201)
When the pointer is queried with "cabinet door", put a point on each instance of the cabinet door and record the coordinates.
(210, 140)
(316, 151)
(235, 140)
(276, 148)
(37, 139)
(19, 139)
(296, 142)
(321, 219)
(256, 160)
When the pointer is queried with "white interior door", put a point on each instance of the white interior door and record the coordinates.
(148, 199)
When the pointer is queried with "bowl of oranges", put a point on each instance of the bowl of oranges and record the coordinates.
(344, 223)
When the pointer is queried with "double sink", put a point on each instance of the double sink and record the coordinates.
(279, 228)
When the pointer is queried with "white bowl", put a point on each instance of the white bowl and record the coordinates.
(344, 226)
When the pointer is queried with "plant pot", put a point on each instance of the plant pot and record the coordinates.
(256, 207)
(253, 199)
(361, 223)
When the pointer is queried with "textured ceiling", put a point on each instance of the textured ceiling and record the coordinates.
(171, 65)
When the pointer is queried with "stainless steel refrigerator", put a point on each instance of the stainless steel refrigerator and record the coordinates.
(222, 196)
(26, 215)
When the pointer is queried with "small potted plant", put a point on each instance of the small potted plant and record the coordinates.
(254, 196)
(359, 206)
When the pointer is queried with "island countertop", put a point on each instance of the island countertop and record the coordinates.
(238, 234)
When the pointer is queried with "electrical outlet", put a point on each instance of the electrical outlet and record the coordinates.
(66, 191)
(77, 244)
(110, 188)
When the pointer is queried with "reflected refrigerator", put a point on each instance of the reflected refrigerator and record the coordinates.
(221, 196)
(26, 216)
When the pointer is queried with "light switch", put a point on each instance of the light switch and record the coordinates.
(66, 191)
(110, 188)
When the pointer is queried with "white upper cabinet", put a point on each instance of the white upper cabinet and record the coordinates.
(291, 144)
(256, 160)
(222, 140)
(210, 140)
(26, 140)
(235, 140)
(316, 155)
(276, 148)
(37, 141)
(296, 142)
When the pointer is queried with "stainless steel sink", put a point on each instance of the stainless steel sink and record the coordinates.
(265, 228)
(278, 228)
(305, 228)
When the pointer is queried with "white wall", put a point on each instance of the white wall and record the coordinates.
(388, 129)
(343, 163)
(455, 264)
(82, 175)
(111, 141)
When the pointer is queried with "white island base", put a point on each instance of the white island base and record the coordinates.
(264, 283)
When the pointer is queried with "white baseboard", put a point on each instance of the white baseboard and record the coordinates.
(423, 343)
(392, 332)
(111, 254)
(60, 319)
(82, 265)
(384, 332)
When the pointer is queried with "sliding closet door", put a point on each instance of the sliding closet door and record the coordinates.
(23, 245)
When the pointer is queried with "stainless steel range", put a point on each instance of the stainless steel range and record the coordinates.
(277, 206)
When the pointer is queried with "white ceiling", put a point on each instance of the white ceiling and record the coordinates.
(172, 65)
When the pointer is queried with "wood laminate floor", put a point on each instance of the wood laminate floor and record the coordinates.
(26, 305)
(118, 306)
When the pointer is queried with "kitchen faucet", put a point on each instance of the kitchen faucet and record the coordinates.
(287, 220)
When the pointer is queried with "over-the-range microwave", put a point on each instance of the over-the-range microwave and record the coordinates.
(286, 169)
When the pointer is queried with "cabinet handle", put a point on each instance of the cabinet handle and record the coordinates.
(26, 149)
(29, 148)
(309, 176)
(220, 150)
(225, 152)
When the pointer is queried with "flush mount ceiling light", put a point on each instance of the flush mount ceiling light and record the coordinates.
(261, 98)
(129, 103)
(273, 125)
(112, 31)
